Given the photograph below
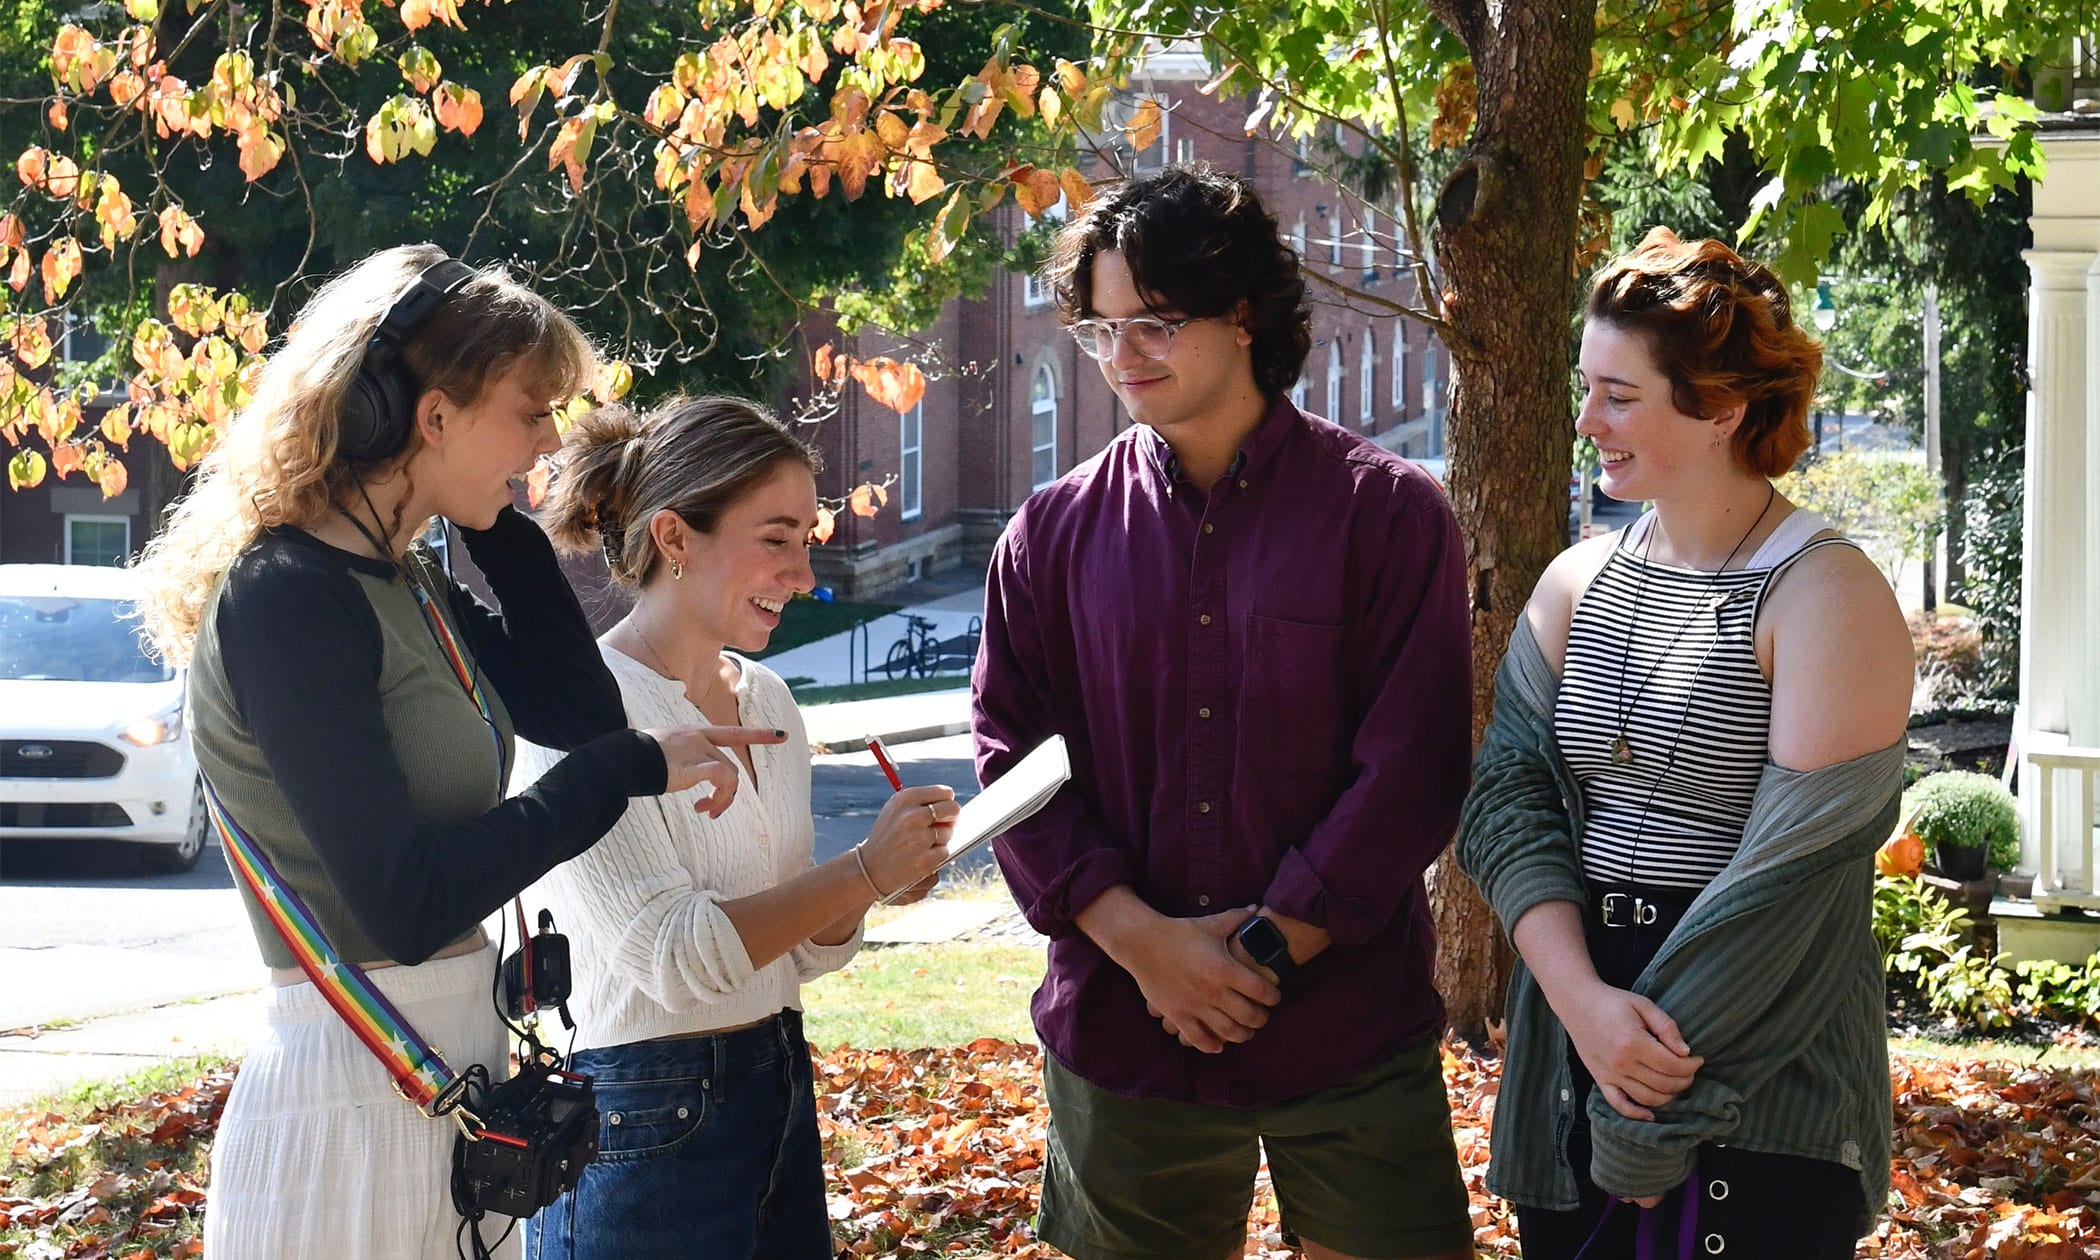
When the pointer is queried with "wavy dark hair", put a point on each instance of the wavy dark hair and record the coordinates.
(1199, 243)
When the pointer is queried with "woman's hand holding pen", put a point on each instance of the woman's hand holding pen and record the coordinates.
(909, 840)
(694, 755)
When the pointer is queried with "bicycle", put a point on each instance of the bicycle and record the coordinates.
(917, 652)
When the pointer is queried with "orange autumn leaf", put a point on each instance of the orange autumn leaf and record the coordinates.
(60, 268)
(179, 231)
(1036, 189)
(827, 521)
(1144, 126)
(112, 477)
(1077, 190)
(458, 108)
(898, 386)
(867, 499)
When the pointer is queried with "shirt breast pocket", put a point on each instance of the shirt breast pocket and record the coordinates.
(1294, 698)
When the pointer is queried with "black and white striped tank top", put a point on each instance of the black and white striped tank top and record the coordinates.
(1696, 710)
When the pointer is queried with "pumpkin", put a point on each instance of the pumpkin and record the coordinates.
(1902, 854)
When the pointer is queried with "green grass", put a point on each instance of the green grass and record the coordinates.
(807, 620)
(879, 688)
(910, 996)
(2027, 1054)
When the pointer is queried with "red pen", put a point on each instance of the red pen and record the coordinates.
(882, 758)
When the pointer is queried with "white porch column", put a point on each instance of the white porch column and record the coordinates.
(2053, 648)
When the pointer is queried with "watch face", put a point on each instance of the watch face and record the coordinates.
(1263, 940)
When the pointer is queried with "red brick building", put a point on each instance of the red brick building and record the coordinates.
(1014, 404)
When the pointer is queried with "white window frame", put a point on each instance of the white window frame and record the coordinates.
(911, 462)
(1334, 379)
(1038, 407)
(1369, 248)
(1298, 392)
(1399, 368)
(1184, 151)
(84, 518)
(1431, 402)
(1298, 237)
(1334, 239)
(1034, 293)
(1366, 375)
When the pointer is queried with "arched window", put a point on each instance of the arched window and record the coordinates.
(911, 461)
(1364, 370)
(1042, 411)
(1399, 369)
(1334, 379)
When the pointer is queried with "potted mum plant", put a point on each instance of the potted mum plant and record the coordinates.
(1968, 820)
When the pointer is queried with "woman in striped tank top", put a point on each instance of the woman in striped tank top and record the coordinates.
(1724, 630)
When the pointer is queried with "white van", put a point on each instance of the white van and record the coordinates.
(92, 741)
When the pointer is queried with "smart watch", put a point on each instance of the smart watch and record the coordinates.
(1265, 944)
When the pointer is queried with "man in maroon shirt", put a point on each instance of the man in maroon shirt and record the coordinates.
(1250, 625)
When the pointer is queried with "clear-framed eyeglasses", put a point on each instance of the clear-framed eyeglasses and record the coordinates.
(1149, 335)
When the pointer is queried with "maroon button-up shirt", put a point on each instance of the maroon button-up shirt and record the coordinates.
(1266, 690)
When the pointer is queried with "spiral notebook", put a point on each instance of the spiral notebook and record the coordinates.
(1010, 799)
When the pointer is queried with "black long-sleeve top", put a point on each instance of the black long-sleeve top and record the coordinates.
(335, 732)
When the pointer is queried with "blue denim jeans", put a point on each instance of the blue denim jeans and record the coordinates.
(707, 1146)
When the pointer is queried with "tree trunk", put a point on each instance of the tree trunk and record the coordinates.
(1505, 226)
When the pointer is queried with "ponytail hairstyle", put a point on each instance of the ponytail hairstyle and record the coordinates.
(692, 456)
(1722, 330)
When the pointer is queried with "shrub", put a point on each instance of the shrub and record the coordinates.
(1950, 657)
(1965, 810)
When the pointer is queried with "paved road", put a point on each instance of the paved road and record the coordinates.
(848, 790)
(83, 932)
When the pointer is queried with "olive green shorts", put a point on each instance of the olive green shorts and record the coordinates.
(1366, 1167)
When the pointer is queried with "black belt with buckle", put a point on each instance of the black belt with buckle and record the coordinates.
(1637, 906)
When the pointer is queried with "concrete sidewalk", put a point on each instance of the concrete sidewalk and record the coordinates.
(35, 1062)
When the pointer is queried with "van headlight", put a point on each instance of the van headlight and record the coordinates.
(158, 729)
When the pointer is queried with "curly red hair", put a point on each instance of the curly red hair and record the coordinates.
(1722, 330)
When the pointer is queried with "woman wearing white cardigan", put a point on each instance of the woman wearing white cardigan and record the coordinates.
(692, 936)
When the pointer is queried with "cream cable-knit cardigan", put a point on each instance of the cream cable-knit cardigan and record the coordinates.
(652, 951)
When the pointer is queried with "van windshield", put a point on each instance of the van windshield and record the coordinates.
(58, 638)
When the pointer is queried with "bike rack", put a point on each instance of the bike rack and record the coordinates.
(858, 634)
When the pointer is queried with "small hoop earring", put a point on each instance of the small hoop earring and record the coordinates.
(677, 570)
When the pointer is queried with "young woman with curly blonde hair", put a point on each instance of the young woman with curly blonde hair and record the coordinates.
(332, 726)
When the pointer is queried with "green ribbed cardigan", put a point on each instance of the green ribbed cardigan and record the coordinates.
(1773, 975)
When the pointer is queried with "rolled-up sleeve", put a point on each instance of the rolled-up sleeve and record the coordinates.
(1061, 860)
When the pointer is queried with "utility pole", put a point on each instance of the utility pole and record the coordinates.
(1932, 437)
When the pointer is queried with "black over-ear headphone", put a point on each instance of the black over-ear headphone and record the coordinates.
(379, 408)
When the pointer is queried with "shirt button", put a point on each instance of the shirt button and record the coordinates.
(1209, 528)
(1203, 807)
(1564, 1095)
(1204, 620)
(1203, 900)
(1203, 713)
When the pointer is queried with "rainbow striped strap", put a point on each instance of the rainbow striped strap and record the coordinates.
(456, 657)
(419, 1071)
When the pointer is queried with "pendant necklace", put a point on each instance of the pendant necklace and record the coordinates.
(1621, 746)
